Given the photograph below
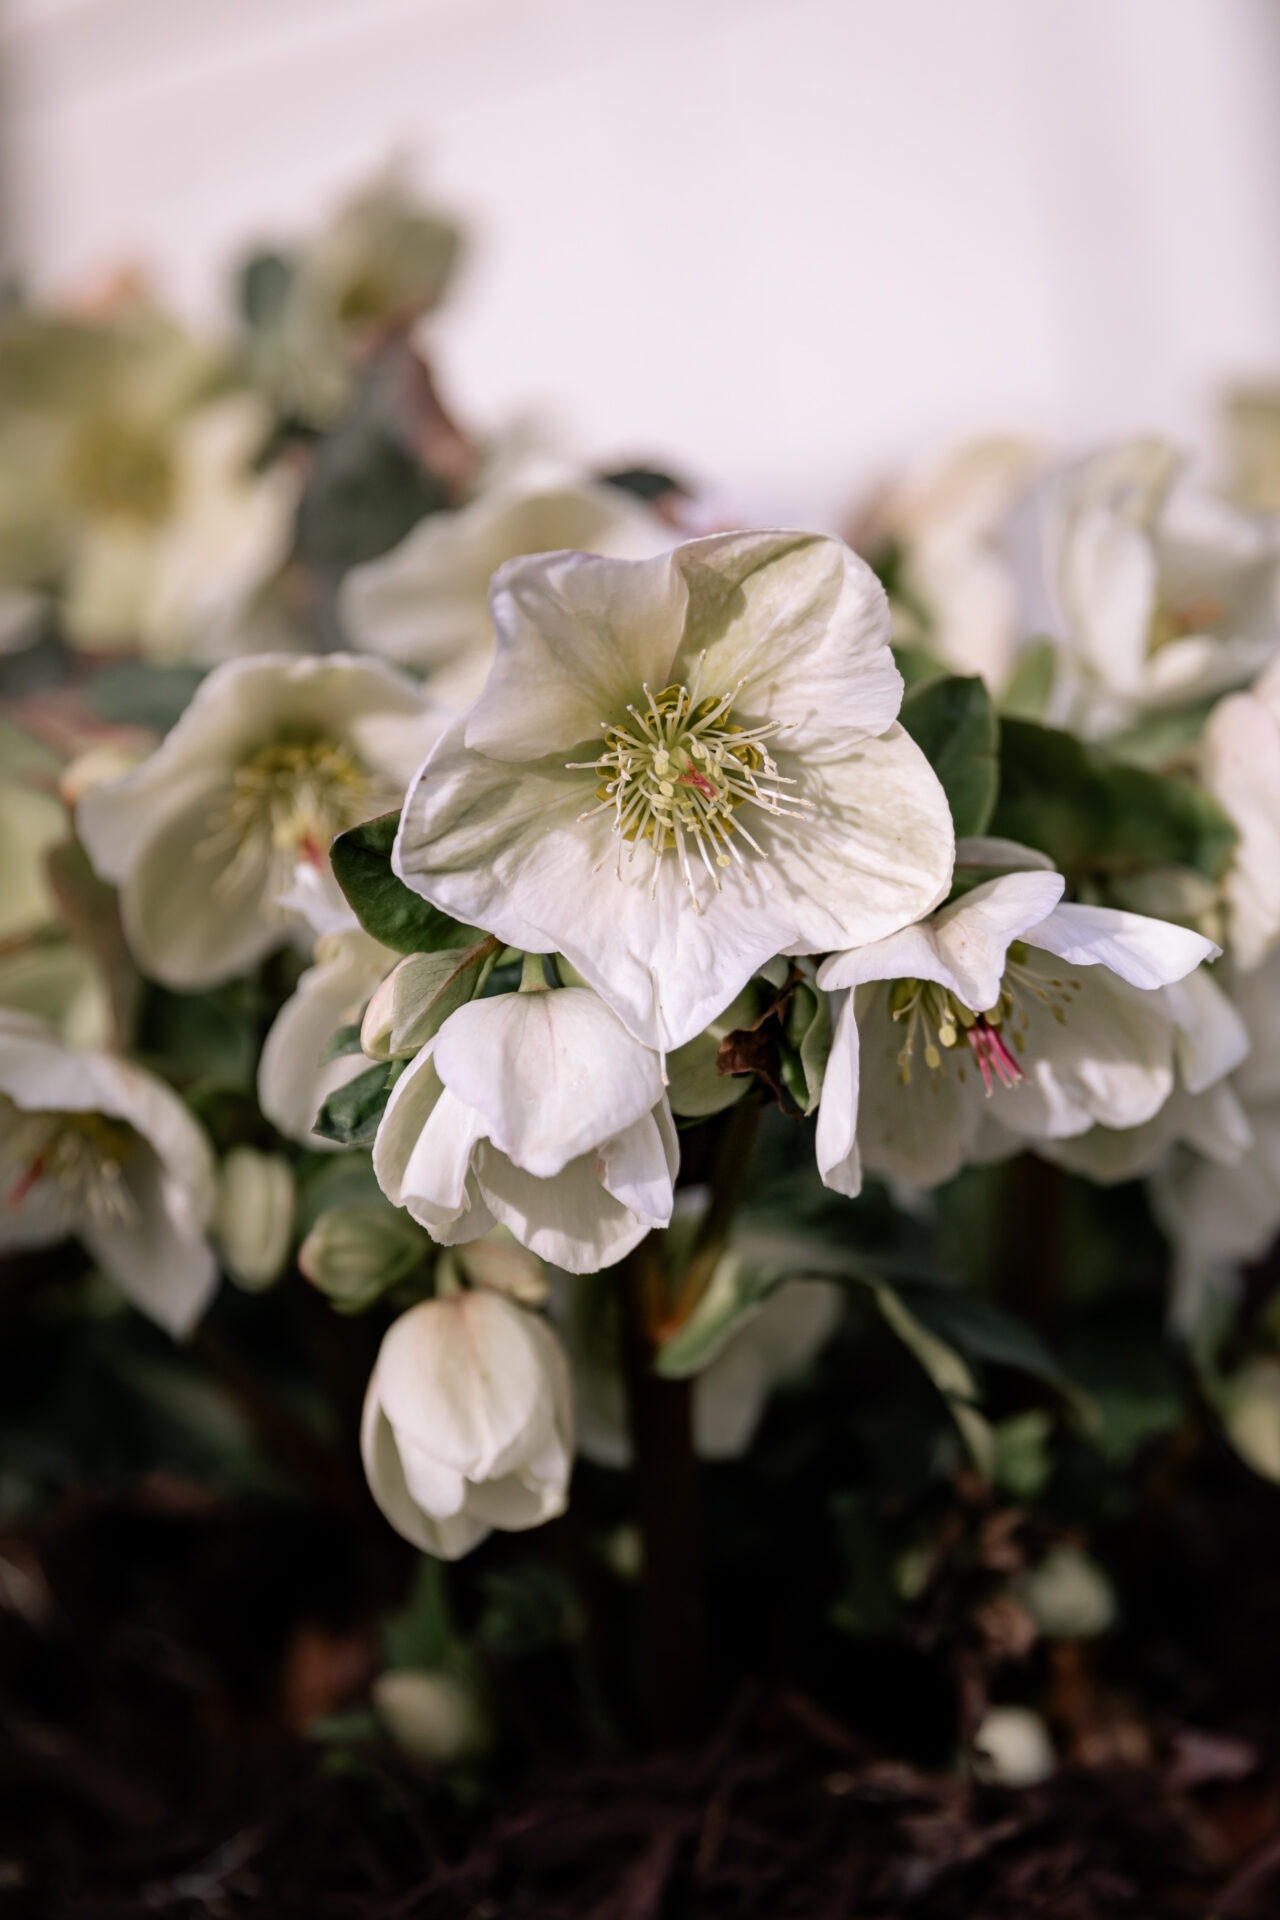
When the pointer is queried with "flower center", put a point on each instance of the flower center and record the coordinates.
(84, 1157)
(937, 1023)
(1176, 620)
(285, 804)
(677, 773)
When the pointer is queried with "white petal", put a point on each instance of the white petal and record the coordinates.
(1241, 768)
(293, 1085)
(798, 623)
(1211, 1038)
(168, 1272)
(384, 1469)
(1147, 953)
(568, 1220)
(638, 1166)
(578, 636)
(920, 1132)
(839, 1163)
(962, 946)
(553, 1074)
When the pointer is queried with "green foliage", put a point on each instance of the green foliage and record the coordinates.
(1098, 817)
(351, 1115)
(383, 905)
(138, 693)
(265, 281)
(953, 722)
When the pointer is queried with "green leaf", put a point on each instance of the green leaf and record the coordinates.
(383, 905)
(351, 1115)
(948, 1371)
(366, 488)
(265, 280)
(954, 724)
(984, 1334)
(345, 1041)
(736, 1294)
(808, 1031)
(139, 694)
(1097, 817)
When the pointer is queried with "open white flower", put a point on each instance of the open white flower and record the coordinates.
(540, 1111)
(273, 757)
(1240, 765)
(426, 603)
(468, 1422)
(95, 1147)
(1166, 597)
(1003, 1011)
(957, 594)
(679, 768)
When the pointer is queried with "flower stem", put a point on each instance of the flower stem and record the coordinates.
(673, 1601)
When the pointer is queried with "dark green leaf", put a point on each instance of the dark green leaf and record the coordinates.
(351, 1115)
(1099, 818)
(953, 723)
(366, 487)
(383, 905)
(265, 280)
(345, 1041)
(139, 694)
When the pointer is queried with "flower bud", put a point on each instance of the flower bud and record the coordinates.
(467, 1423)
(431, 1716)
(1251, 1412)
(413, 1002)
(1068, 1596)
(253, 1223)
(1012, 1747)
(500, 1263)
(353, 1254)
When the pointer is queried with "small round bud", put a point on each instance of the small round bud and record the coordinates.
(253, 1224)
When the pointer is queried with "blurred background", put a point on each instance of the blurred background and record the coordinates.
(780, 244)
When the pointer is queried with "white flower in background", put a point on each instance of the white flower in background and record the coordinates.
(540, 1111)
(273, 757)
(1240, 766)
(679, 768)
(175, 571)
(1003, 1014)
(468, 1422)
(253, 1219)
(1165, 596)
(1203, 1111)
(730, 1395)
(955, 589)
(95, 1147)
(1221, 1216)
(426, 603)
(294, 1078)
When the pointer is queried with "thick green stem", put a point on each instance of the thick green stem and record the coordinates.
(660, 1415)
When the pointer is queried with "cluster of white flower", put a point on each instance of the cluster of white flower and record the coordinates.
(645, 797)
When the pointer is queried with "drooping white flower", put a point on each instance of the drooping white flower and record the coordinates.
(1165, 596)
(95, 1147)
(1221, 1212)
(1240, 766)
(273, 757)
(253, 1219)
(732, 1392)
(1209, 1042)
(426, 603)
(540, 1111)
(679, 768)
(1003, 1011)
(468, 1422)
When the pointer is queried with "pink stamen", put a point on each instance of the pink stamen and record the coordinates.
(698, 780)
(993, 1056)
(29, 1177)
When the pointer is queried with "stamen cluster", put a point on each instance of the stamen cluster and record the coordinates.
(938, 1021)
(676, 774)
(83, 1156)
(285, 804)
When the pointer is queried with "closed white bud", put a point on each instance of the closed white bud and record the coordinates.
(412, 1003)
(253, 1224)
(353, 1254)
(1068, 1596)
(468, 1422)
(1012, 1747)
(431, 1716)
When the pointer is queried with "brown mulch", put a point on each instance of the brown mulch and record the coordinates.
(159, 1656)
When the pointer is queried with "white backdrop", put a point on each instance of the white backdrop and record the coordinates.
(776, 242)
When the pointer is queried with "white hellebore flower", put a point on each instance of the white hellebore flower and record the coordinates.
(1003, 1018)
(679, 768)
(468, 1422)
(95, 1147)
(541, 1112)
(1240, 765)
(426, 603)
(273, 757)
(1165, 596)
